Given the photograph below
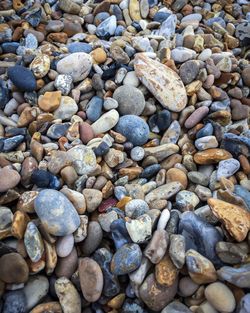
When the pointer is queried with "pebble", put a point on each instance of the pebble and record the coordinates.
(33, 242)
(13, 269)
(157, 246)
(130, 100)
(9, 178)
(227, 168)
(91, 279)
(66, 109)
(64, 245)
(59, 217)
(63, 83)
(22, 78)
(196, 117)
(176, 307)
(35, 290)
(106, 122)
(14, 302)
(139, 229)
(136, 208)
(83, 159)
(220, 297)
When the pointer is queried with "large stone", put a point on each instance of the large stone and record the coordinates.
(13, 269)
(162, 82)
(56, 212)
(83, 159)
(78, 65)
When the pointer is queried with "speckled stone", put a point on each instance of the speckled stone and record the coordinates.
(83, 159)
(33, 242)
(14, 302)
(56, 212)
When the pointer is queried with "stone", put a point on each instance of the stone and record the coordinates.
(64, 245)
(40, 65)
(9, 178)
(165, 271)
(93, 239)
(79, 47)
(50, 101)
(227, 168)
(157, 247)
(200, 269)
(189, 71)
(220, 297)
(187, 287)
(130, 100)
(13, 269)
(136, 208)
(134, 10)
(177, 250)
(86, 132)
(175, 174)
(33, 242)
(114, 157)
(93, 199)
(58, 216)
(165, 192)
(119, 233)
(6, 217)
(66, 109)
(140, 133)
(196, 117)
(243, 306)
(14, 302)
(107, 28)
(22, 78)
(94, 108)
(83, 159)
(106, 122)
(237, 276)
(91, 279)
(68, 295)
(154, 76)
(176, 307)
(126, 259)
(181, 54)
(139, 229)
(161, 152)
(81, 233)
(137, 276)
(77, 64)
(35, 290)
(186, 200)
(211, 156)
(66, 267)
(231, 253)
(234, 218)
(63, 83)
(196, 231)
(245, 76)
(156, 296)
(206, 142)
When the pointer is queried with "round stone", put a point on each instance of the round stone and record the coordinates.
(137, 153)
(64, 245)
(66, 109)
(140, 229)
(220, 297)
(56, 212)
(140, 133)
(9, 178)
(136, 208)
(15, 302)
(227, 168)
(130, 100)
(83, 159)
(22, 78)
(106, 122)
(63, 83)
(40, 65)
(78, 65)
(50, 101)
(13, 269)
(91, 279)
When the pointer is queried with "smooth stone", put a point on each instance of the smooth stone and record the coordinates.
(211, 156)
(126, 259)
(154, 76)
(14, 302)
(22, 78)
(239, 276)
(58, 216)
(64, 245)
(140, 229)
(196, 117)
(206, 142)
(83, 159)
(186, 200)
(176, 307)
(93, 239)
(10, 144)
(131, 79)
(9, 178)
(243, 193)
(68, 295)
(119, 233)
(163, 220)
(93, 199)
(65, 267)
(136, 208)
(157, 247)
(33, 242)
(63, 83)
(66, 109)
(137, 276)
(81, 233)
(220, 297)
(231, 253)
(79, 47)
(172, 134)
(165, 272)
(187, 286)
(244, 304)
(94, 108)
(111, 285)
(40, 65)
(42, 178)
(207, 130)
(35, 290)
(162, 151)
(196, 231)
(106, 220)
(227, 168)
(177, 250)
(4, 94)
(130, 100)
(13, 269)
(189, 71)
(155, 296)
(6, 217)
(106, 122)
(58, 130)
(165, 192)
(78, 65)
(181, 54)
(110, 103)
(200, 269)
(107, 28)
(91, 279)
(140, 133)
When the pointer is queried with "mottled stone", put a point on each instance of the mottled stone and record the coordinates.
(227, 168)
(163, 192)
(13, 269)
(154, 76)
(22, 78)
(166, 272)
(157, 247)
(177, 250)
(83, 159)
(14, 302)
(211, 156)
(33, 242)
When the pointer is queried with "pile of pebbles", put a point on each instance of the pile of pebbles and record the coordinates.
(124, 156)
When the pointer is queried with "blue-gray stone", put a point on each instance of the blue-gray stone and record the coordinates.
(44, 179)
(150, 171)
(94, 108)
(57, 130)
(79, 47)
(207, 130)
(130, 306)
(9, 144)
(134, 128)
(127, 259)
(196, 232)
(115, 10)
(160, 121)
(56, 212)
(152, 3)
(236, 144)
(243, 193)
(106, 28)
(119, 30)
(176, 307)
(111, 284)
(100, 17)
(14, 302)
(218, 106)
(217, 19)
(33, 16)
(244, 304)
(10, 47)
(22, 78)
(239, 276)
(31, 42)
(119, 233)
(161, 16)
(4, 94)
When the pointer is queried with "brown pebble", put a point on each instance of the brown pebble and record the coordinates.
(19, 224)
(9, 178)
(86, 132)
(13, 269)
(175, 174)
(211, 156)
(166, 272)
(196, 117)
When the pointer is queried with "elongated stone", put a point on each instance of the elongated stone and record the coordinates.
(162, 82)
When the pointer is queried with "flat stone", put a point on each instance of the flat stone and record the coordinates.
(239, 276)
(176, 307)
(177, 250)
(162, 82)
(50, 101)
(166, 272)
(206, 142)
(65, 267)
(22, 78)
(78, 65)
(93, 239)
(161, 152)
(14, 302)
(91, 279)
(157, 247)
(57, 214)
(40, 65)
(163, 192)
(63, 83)
(231, 253)
(211, 156)
(234, 218)
(186, 200)
(64, 245)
